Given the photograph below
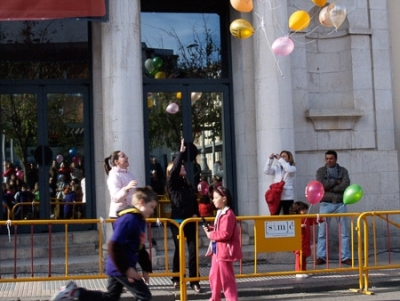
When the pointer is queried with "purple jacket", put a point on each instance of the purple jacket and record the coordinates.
(226, 235)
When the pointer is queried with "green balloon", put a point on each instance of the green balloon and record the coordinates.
(352, 194)
(157, 62)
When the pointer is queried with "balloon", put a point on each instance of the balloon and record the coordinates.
(241, 29)
(319, 3)
(203, 188)
(20, 174)
(160, 74)
(72, 152)
(243, 6)
(337, 13)
(314, 192)
(172, 108)
(76, 159)
(157, 62)
(282, 46)
(299, 20)
(59, 158)
(352, 194)
(179, 95)
(324, 18)
(195, 96)
(148, 64)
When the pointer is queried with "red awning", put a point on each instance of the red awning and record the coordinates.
(50, 9)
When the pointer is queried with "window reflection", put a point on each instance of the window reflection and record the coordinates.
(181, 45)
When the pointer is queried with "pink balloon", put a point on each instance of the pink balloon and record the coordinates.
(314, 192)
(59, 158)
(282, 46)
(20, 174)
(203, 187)
(173, 108)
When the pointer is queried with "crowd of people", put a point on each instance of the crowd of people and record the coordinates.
(21, 190)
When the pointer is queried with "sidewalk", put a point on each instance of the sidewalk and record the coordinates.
(162, 290)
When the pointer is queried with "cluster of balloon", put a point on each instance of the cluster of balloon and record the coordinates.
(195, 96)
(203, 187)
(244, 6)
(172, 108)
(314, 192)
(241, 29)
(299, 20)
(72, 152)
(352, 194)
(282, 46)
(59, 158)
(153, 65)
(333, 15)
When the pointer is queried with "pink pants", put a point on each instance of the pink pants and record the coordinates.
(222, 277)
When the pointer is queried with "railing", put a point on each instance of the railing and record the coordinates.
(368, 231)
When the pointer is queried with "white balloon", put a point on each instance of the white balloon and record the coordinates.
(195, 96)
(324, 17)
(173, 108)
(337, 13)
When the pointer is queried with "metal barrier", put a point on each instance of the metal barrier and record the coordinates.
(272, 234)
(377, 230)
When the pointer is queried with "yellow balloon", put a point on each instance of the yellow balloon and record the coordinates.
(299, 20)
(160, 74)
(150, 102)
(319, 3)
(243, 6)
(241, 29)
(179, 95)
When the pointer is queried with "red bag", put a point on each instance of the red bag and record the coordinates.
(273, 196)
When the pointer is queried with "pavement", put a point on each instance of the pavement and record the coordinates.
(162, 290)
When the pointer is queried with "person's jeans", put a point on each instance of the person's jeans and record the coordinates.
(114, 289)
(343, 226)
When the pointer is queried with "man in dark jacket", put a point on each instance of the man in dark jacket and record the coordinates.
(335, 179)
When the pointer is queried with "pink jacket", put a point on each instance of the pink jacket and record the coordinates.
(225, 233)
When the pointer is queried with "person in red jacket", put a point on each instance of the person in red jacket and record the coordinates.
(224, 247)
(306, 223)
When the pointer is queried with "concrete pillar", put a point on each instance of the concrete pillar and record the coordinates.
(273, 89)
(122, 86)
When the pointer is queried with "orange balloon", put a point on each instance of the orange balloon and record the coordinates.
(241, 29)
(243, 6)
(319, 3)
(299, 20)
(324, 17)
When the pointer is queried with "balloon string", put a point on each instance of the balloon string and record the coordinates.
(262, 26)
(309, 209)
(338, 208)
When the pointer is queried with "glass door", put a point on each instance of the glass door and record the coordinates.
(43, 150)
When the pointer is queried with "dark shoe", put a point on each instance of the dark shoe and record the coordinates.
(175, 284)
(320, 261)
(347, 261)
(196, 287)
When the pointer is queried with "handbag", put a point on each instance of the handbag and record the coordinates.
(273, 196)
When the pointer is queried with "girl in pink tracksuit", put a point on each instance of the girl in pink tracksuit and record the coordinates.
(224, 247)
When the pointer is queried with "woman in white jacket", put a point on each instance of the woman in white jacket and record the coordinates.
(283, 169)
(121, 183)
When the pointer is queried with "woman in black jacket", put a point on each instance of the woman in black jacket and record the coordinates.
(183, 205)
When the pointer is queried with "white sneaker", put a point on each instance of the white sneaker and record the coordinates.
(66, 292)
(302, 276)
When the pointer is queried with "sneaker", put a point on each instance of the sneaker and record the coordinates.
(175, 284)
(196, 287)
(347, 261)
(298, 276)
(320, 261)
(66, 292)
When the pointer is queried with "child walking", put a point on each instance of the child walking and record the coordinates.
(224, 247)
(125, 250)
(301, 256)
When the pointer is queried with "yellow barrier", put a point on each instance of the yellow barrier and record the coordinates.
(364, 238)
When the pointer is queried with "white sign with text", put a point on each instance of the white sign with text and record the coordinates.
(279, 229)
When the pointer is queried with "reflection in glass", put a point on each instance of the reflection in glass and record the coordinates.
(181, 45)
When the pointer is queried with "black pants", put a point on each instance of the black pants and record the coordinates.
(285, 205)
(190, 234)
(114, 289)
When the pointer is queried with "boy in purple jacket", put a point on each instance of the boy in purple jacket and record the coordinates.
(125, 250)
